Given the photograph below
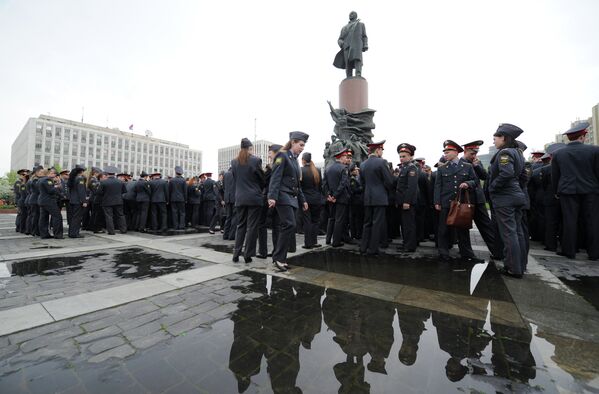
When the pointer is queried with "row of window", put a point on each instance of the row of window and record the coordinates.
(84, 136)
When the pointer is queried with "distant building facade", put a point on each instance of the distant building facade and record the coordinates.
(48, 140)
(225, 155)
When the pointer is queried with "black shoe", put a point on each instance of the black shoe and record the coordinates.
(328, 242)
(280, 266)
(236, 259)
(350, 242)
(573, 257)
(269, 254)
(261, 256)
(76, 236)
(59, 237)
(317, 246)
(48, 237)
(497, 258)
(550, 249)
(247, 259)
(307, 247)
(99, 231)
(111, 233)
(211, 231)
(507, 272)
(337, 245)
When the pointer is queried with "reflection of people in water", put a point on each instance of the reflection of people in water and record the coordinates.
(461, 338)
(411, 324)
(344, 316)
(511, 357)
(247, 349)
(378, 331)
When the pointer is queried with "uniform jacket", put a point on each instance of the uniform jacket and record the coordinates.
(448, 180)
(177, 189)
(78, 195)
(249, 181)
(49, 194)
(357, 191)
(284, 184)
(110, 192)
(477, 196)
(94, 185)
(506, 175)
(376, 180)
(337, 182)
(229, 185)
(312, 191)
(159, 189)
(34, 192)
(407, 184)
(209, 190)
(194, 194)
(575, 169)
(423, 187)
(549, 199)
(17, 190)
(143, 192)
(130, 194)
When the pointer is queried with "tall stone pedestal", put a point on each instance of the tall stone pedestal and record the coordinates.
(353, 94)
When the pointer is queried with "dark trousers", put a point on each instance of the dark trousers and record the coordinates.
(337, 223)
(68, 210)
(587, 206)
(142, 214)
(263, 230)
(509, 222)
(114, 214)
(421, 222)
(33, 219)
(311, 224)
(75, 225)
(195, 214)
(230, 222)
(356, 220)
(374, 231)
(487, 230)
(207, 211)
(52, 211)
(132, 214)
(445, 237)
(247, 230)
(22, 218)
(408, 228)
(552, 226)
(97, 221)
(178, 215)
(159, 216)
(286, 215)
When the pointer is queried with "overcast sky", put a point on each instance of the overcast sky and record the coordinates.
(199, 72)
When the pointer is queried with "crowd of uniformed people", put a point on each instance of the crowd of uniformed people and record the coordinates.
(553, 198)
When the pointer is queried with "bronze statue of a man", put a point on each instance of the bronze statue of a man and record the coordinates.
(353, 41)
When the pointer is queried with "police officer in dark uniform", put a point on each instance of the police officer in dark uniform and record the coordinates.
(209, 197)
(285, 194)
(407, 196)
(267, 213)
(506, 179)
(194, 200)
(376, 179)
(477, 196)
(110, 193)
(219, 210)
(423, 201)
(78, 200)
(536, 213)
(96, 220)
(311, 185)
(356, 212)
(49, 193)
(249, 182)
(453, 176)
(159, 199)
(143, 197)
(129, 203)
(231, 221)
(20, 190)
(575, 180)
(63, 201)
(33, 194)
(177, 190)
(337, 191)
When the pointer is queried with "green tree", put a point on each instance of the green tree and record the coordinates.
(12, 177)
(58, 168)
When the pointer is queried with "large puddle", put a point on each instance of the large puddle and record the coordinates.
(135, 263)
(291, 337)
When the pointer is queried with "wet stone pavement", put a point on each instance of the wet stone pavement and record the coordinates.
(337, 322)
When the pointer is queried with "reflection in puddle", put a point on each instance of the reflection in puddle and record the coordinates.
(295, 337)
(125, 263)
(585, 286)
(424, 272)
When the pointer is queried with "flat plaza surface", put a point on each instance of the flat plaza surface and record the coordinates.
(173, 314)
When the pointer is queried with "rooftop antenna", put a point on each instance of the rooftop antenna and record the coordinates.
(82, 112)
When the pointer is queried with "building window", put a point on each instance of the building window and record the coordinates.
(120, 143)
(49, 132)
(75, 135)
(48, 146)
(57, 132)
(98, 153)
(112, 142)
(133, 146)
(105, 140)
(38, 145)
(66, 148)
(83, 137)
(67, 134)
(39, 127)
(99, 140)
(38, 159)
(145, 148)
(74, 152)
(57, 147)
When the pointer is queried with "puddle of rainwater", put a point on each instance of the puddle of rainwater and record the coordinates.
(586, 286)
(291, 337)
(219, 247)
(133, 263)
(424, 272)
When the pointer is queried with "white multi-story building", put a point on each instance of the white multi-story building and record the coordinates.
(225, 155)
(48, 140)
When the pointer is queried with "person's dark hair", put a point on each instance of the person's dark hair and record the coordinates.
(73, 174)
(242, 157)
(288, 144)
(314, 172)
(510, 142)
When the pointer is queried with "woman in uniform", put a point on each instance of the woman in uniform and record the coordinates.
(506, 176)
(285, 194)
(311, 187)
(249, 181)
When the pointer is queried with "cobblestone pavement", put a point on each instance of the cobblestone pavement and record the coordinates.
(400, 323)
